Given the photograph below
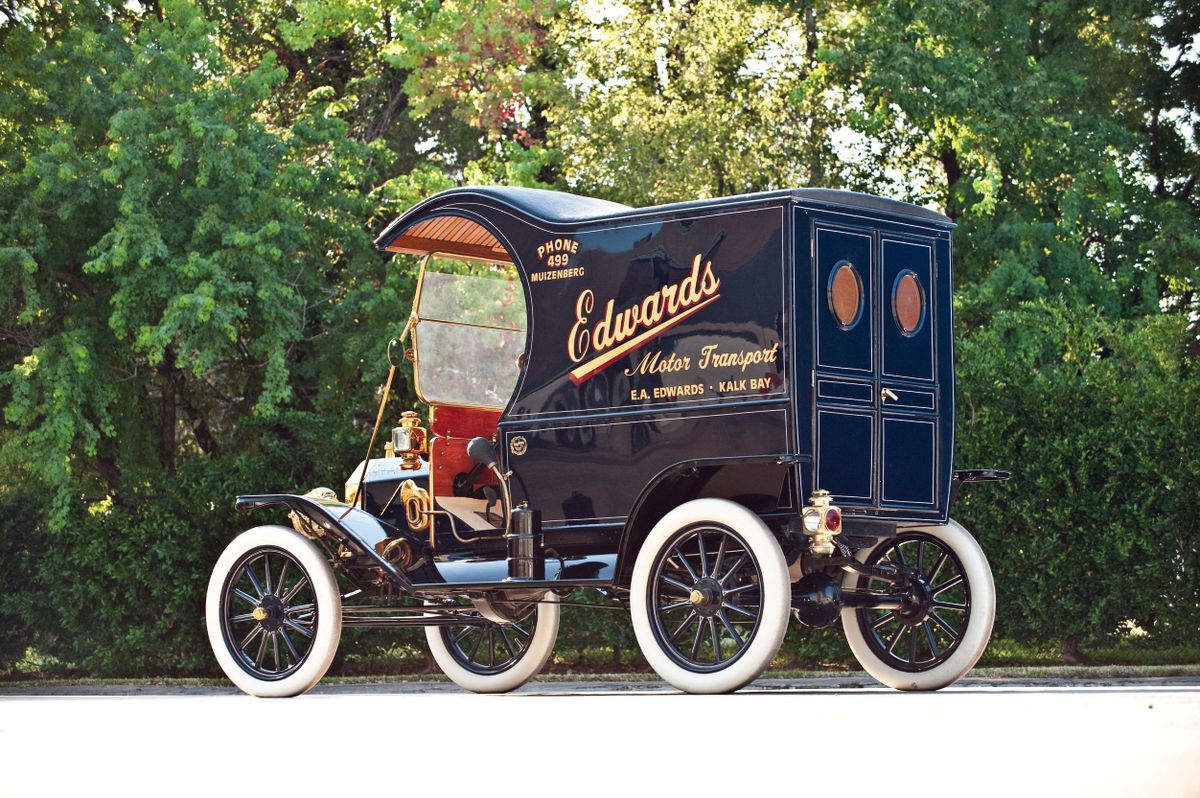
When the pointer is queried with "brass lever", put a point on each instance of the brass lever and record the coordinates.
(886, 394)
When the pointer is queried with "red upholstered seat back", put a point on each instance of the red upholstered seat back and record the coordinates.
(452, 427)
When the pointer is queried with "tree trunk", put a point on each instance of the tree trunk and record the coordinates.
(107, 466)
(953, 171)
(166, 429)
(1071, 654)
(203, 433)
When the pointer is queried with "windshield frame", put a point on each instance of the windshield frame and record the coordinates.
(415, 320)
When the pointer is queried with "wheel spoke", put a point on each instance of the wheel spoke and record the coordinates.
(253, 580)
(733, 570)
(737, 638)
(949, 583)
(947, 628)
(466, 630)
(291, 594)
(950, 605)
(733, 591)
(267, 572)
(298, 609)
(900, 555)
(492, 646)
(896, 639)
(921, 556)
(937, 566)
(740, 610)
(675, 606)
(241, 618)
(682, 626)
(720, 554)
(248, 639)
(275, 649)
(888, 618)
(507, 644)
(933, 646)
(519, 630)
(281, 585)
(696, 641)
(302, 630)
(703, 554)
(912, 645)
(675, 583)
(262, 649)
(687, 565)
(716, 640)
(475, 649)
(290, 646)
(244, 596)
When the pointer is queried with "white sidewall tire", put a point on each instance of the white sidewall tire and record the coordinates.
(979, 626)
(532, 660)
(329, 611)
(776, 595)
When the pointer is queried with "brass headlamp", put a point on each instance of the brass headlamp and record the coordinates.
(409, 441)
(822, 523)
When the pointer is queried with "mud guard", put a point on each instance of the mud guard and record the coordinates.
(357, 529)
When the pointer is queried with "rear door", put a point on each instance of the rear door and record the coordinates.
(907, 391)
(875, 392)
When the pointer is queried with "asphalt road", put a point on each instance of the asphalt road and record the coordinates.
(569, 739)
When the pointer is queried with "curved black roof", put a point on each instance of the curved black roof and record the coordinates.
(558, 207)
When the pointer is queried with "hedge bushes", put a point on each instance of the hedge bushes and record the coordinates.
(1100, 423)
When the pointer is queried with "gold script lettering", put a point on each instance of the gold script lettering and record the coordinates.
(618, 333)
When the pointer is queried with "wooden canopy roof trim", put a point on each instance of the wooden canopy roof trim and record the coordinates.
(450, 235)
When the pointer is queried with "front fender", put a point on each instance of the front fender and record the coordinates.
(357, 529)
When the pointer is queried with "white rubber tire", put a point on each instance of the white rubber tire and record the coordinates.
(979, 626)
(775, 596)
(532, 660)
(326, 595)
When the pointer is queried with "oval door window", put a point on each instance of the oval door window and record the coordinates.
(908, 302)
(845, 294)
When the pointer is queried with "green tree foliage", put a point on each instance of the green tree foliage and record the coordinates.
(191, 306)
(685, 100)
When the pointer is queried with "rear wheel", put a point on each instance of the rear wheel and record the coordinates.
(273, 611)
(710, 596)
(497, 657)
(944, 628)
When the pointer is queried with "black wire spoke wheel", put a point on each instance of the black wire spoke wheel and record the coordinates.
(705, 599)
(269, 613)
(490, 648)
(927, 630)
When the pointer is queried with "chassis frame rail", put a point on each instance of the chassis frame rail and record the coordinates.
(380, 617)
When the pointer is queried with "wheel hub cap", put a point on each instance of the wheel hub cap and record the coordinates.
(917, 605)
(271, 609)
(706, 597)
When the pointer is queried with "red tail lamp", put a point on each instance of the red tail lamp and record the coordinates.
(833, 519)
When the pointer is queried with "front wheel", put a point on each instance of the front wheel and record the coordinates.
(710, 596)
(944, 628)
(273, 611)
(497, 657)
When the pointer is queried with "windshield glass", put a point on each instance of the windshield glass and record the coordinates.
(470, 331)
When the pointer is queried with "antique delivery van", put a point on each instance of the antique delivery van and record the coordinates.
(716, 414)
